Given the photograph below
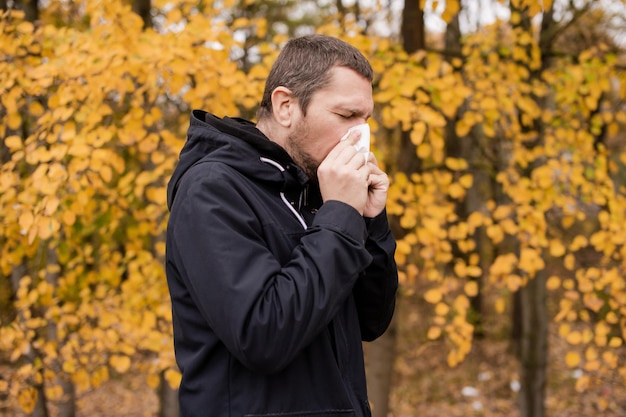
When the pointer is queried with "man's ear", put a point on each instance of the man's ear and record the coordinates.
(283, 106)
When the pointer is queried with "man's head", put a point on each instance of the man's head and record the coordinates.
(303, 67)
(317, 89)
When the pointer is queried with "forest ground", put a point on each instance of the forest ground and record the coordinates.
(424, 386)
(485, 384)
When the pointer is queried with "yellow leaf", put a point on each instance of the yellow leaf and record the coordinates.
(14, 143)
(27, 398)
(553, 283)
(81, 379)
(591, 354)
(418, 133)
(460, 269)
(466, 180)
(462, 127)
(153, 381)
(471, 288)
(80, 149)
(489, 103)
(456, 191)
(433, 295)
(14, 120)
(557, 249)
(500, 305)
(99, 376)
(159, 248)
(442, 309)
(35, 108)
(476, 219)
(456, 164)
(451, 10)
(173, 378)
(403, 247)
(47, 227)
(120, 363)
(579, 242)
(611, 317)
(544, 176)
(592, 366)
(513, 282)
(156, 194)
(582, 383)
(54, 393)
(434, 332)
(611, 359)
(69, 366)
(593, 302)
(495, 233)
(157, 158)
(572, 359)
(25, 28)
(52, 204)
(574, 338)
(515, 18)
(26, 220)
(68, 217)
(149, 144)
(106, 173)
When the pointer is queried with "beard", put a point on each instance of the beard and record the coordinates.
(295, 148)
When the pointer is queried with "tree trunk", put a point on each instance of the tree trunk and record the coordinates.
(41, 408)
(30, 8)
(533, 347)
(530, 308)
(412, 29)
(516, 324)
(483, 190)
(380, 356)
(472, 149)
(67, 404)
(413, 40)
(168, 399)
(142, 8)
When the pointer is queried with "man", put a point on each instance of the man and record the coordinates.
(279, 254)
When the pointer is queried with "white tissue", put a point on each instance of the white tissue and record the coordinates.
(363, 145)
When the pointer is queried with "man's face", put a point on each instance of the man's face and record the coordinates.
(345, 102)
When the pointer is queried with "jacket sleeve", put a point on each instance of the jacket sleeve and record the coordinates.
(375, 290)
(263, 311)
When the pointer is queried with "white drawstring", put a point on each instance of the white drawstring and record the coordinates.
(282, 195)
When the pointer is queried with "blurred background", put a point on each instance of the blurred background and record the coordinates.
(501, 123)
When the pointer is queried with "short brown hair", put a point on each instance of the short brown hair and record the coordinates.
(303, 67)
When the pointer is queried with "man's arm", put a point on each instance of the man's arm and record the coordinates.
(375, 290)
(263, 311)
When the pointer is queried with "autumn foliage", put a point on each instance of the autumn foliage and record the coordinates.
(93, 114)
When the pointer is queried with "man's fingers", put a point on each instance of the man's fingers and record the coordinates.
(352, 137)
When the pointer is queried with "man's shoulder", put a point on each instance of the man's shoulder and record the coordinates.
(211, 170)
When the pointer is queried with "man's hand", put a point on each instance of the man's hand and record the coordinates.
(378, 186)
(345, 175)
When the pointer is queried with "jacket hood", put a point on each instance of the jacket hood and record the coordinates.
(239, 144)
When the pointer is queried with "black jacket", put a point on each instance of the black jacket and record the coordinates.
(272, 291)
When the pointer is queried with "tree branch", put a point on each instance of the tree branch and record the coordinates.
(549, 33)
